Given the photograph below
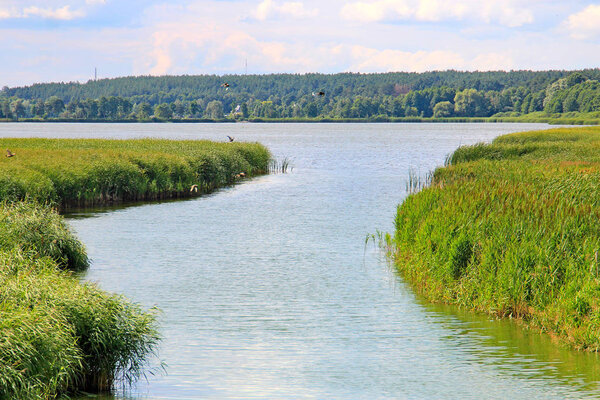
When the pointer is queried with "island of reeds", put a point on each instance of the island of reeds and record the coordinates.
(59, 335)
(84, 172)
(512, 228)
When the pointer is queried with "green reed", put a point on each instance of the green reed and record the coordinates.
(56, 334)
(96, 171)
(511, 228)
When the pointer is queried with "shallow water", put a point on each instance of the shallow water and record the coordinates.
(267, 290)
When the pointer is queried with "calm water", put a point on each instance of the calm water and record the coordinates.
(267, 290)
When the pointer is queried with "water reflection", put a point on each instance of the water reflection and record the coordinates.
(266, 291)
(512, 349)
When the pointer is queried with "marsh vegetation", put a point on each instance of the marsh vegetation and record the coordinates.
(511, 228)
(58, 335)
(85, 172)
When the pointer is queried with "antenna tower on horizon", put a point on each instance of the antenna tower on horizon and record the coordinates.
(246, 68)
(95, 74)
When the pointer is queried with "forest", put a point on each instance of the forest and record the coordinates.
(443, 94)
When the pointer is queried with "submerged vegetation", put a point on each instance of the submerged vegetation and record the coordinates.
(96, 171)
(511, 228)
(58, 335)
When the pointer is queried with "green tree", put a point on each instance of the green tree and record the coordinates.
(470, 103)
(214, 110)
(143, 111)
(54, 106)
(443, 109)
(38, 109)
(178, 108)
(163, 111)
(17, 108)
(194, 109)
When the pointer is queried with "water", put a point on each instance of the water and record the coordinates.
(267, 291)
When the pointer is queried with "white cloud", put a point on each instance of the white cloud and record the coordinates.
(62, 13)
(7, 13)
(13, 9)
(293, 9)
(510, 13)
(584, 24)
(186, 47)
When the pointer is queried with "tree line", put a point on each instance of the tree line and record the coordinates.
(338, 96)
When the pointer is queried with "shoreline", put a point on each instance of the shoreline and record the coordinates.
(60, 335)
(544, 120)
(509, 229)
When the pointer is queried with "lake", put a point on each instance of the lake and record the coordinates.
(267, 289)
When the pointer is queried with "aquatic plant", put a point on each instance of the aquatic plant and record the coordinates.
(511, 228)
(95, 171)
(56, 334)
(39, 229)
(280, 165)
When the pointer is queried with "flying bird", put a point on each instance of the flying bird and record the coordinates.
(225, 85)
(230, 139)
(10, 153)
(194, 189)
(318, 94)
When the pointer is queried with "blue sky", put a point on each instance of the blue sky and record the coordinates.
(63, 40)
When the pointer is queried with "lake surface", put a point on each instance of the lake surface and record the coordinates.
(267, 290)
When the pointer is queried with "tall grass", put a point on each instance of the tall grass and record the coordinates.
(511, 228)
(38, 229)
(283, 165)
(56, 334)
(85, 172)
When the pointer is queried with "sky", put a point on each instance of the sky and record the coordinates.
(64, 40)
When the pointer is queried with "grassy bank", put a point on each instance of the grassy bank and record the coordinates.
(84, 172)
(511, 229)
(56, 334)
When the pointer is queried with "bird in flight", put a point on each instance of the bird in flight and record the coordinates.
(230, 138)
(318, 94)
(10, 153)
(225, 85)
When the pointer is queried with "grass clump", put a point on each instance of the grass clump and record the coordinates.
(56, 334)
(59, 335)
(85, 172)
(511, 228)
(36, 228)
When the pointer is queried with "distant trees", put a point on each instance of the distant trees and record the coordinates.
(214, 110)
(471, 103)
(362, 96)
(54, 106)
(443, 109)
(143, 111)
(163, 111)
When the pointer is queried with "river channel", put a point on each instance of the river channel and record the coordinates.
(267, 291)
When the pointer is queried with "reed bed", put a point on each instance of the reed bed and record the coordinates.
(511, 228)
(85, 172)
(282, 165)
(56, 334)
